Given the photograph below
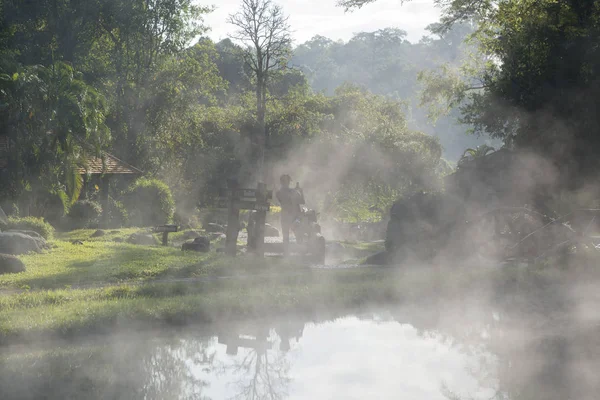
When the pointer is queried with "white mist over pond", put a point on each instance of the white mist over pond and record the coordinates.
(349, 358)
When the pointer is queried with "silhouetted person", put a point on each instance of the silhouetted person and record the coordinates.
(290, 201)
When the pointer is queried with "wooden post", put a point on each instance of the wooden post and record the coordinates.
(85, 186)
(165, 238)
(105, 185)
(261, 218)
(233, 219)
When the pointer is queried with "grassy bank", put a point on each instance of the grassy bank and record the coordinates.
(101, 285)
(101, 261)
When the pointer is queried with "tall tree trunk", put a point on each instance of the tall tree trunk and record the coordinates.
(260, 128)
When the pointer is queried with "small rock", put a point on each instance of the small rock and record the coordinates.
(10, 264)
(200, 244)
(77, 242)
(98, 233)
(118, 240)
(142, 239)
(213, 228)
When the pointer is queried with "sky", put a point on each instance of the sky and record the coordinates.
(322, 17)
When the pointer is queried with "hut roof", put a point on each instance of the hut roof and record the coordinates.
(112, 165)
(92, 164)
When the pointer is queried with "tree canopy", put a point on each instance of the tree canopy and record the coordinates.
(140, 80)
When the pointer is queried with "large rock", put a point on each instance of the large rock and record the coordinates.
(200, 244)
(142, 239)
(16, 243)
(33, 234)
(10, 264)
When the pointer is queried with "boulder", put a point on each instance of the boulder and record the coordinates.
(98, 233)
(33, 234)
(77, 242)
(214, 228)
(142, 239)
(271, 231)
(200, 244)
(10, 264)
(16, 243)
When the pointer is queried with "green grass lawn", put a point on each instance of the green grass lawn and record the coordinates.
(100, 261)
(101, 284)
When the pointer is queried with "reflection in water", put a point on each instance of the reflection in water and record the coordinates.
(347, 358)
(350, 358)
(124, 368)
(260, 372)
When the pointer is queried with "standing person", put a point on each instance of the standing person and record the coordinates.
(289, 200)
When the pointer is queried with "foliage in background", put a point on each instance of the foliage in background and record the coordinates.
(398, 69)
(48, 113)
(149, 202)
(84, 214)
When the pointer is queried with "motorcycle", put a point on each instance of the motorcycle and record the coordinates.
(307, 232)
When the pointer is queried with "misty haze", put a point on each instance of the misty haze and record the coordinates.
(269, 199)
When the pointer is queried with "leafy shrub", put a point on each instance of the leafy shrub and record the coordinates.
(149, 202)
(30, 224)
(117, 214)
(84, 214)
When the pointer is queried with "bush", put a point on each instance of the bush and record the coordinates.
(149, 202)
(10, 264)
(117, 214)
(30, 224)
(84, 214)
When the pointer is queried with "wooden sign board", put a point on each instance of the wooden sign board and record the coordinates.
(166, 228)
(224, 193)
(245, 204)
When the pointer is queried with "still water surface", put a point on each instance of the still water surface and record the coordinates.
(353, 357)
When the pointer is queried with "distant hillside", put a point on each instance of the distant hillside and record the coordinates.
(386, 63)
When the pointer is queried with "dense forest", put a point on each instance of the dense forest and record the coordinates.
(352, 121)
